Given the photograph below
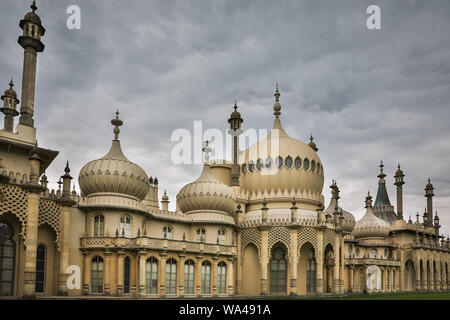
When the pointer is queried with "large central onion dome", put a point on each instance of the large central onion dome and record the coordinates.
(113, 173)
(370, 226)
(282, 166)
(206, 193)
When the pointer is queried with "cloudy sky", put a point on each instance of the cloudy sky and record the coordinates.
(366, 95)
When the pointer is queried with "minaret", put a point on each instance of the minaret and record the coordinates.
(165, 202)
(30, 40)
(382, 207)
(235, 130)
(10, 102)
(399, 183)
(429, 193)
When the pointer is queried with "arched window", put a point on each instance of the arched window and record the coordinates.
(125, 226)
(357, 253)
(251, 166)
(259, 164)
(201, 235)
(221, 236)
(99, 225)
(311, 272)
(126, 275)
(269, 163)
(288, 162)
(306, 164)
(298, 162)
(189, 267)
(222, 277)
(40, 269)
(7, 259)
(373, 254)
(313, 166)
(279, 162)
(171, 276)
(151, 276)
(278, 272)
(206, 277)
(167, 232)
(97, 275)
(350, 251)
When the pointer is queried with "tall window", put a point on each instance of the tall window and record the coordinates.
(311, 272)
(126, 276)
(151, 276)
(167, 232)
(373, 254)
(189, 277)
(278, 272)
(125, 226)
(171, 276)
(221, 236)
(201, 235)
(7, 258)
(40, 269)
(206, 277)
(99, 226)
(97, 275)
(222, 277)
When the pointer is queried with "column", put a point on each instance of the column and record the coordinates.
(181, 275)
(198, 276)
(214, 276)
(264, 260)
(162, 274)
(107, 272)
(351, 280)
(319, 263)
(364, 271)
(294, 262)
(31, 243)
(437, 285)
(424, 277)
(230, 276)
(86, 273)
(431, 288)
(341, 265)
(64, 251)
(120, 272)
(238, 263)
(141, 258)
(336, 268)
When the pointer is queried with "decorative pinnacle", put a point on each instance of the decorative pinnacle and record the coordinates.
(207, 150)
(264, 202)
(33, 6)
(67, 169)
(116, 123)
(277, 105)
(11, 84)
(368, 200)
(294, 202)
(235, 105)
(381, 175)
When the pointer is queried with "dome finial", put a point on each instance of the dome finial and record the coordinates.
(33, 6)
(207, 150)
(381, 175)
(277, 105)
(116, 123)
(235, 105)
(312, 144)
(11, 83)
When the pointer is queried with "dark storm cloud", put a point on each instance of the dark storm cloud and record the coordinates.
(365, 95)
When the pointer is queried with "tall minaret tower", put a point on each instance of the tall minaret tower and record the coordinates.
(235, 130)
(30, 40)
(399, 183)
(429, 194)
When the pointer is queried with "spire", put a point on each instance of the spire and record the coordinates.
(277, 105)
(116, 123)
(33, 6)
(235, 105)
(207, 150)
(11, 84)
(382, 198)
(312, 144)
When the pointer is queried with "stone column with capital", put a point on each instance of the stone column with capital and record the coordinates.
(319, 261)
(336, 268)
(107, 272)
(198, 276)
(264, 261)
(182, 257)
(214, 268)
(86, 272)
(230, 276)
(294, 262)
(162, 274)
(33, 189)
(120, 272)
(141, 258)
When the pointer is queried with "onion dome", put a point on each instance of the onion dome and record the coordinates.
(399, 171)
(349, 219)
(10, 100)
(114, 173)
(165, 197)
(206, 193)
(33, 18)
(281, 166)
(370, 226)
(312, 144)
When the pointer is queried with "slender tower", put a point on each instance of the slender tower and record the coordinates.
(10, 102)
(235, 130)
(399, 183)
(429, 193)
(30, 41)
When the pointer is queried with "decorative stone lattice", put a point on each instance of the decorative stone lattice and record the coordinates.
(280, 234)
(329, 238)
(49, 213)
(14, 200)
(250, 235)
(307, 235)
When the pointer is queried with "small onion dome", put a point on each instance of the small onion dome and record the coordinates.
(370, 226)
(429, 184)
(114, 173)
(206, 193)
(32, 16)
(10, 93)
(399, 171)
(349, 219)
(312, 144)
(235, 114)
(165, 197)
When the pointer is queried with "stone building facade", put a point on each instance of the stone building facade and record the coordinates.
(255, 226)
